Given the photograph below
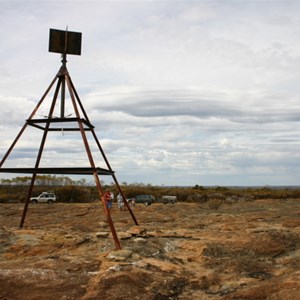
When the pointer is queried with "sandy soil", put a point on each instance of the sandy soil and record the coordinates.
(243, 250)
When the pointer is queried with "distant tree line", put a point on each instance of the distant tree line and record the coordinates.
(46, 180)
(69, 190)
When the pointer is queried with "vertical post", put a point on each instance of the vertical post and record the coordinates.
(63, 86)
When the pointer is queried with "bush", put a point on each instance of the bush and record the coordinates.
(73, 194)
(197, 197)
(214, 203)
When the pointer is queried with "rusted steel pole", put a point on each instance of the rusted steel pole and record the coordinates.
(25, 125)
(115, 179)
(91, 160)
(39, 156)
(63, 87)
(107, 212)
(78, 100)
(27, 199)
(103, 154)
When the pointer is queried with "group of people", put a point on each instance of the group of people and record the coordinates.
(109, 198)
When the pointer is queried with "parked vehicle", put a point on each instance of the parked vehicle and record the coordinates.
(169, 199)
(145, 199)
(44, 197)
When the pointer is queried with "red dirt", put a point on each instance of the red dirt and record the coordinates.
(245, 250)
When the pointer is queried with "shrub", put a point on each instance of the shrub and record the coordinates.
(214, 203)
(197, 197)
(73, 194)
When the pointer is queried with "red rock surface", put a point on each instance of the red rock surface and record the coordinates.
(243, 250)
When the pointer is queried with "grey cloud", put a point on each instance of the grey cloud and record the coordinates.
(174, 103)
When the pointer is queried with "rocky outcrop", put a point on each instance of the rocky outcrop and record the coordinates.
(245, 250)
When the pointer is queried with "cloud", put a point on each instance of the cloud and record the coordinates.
(192, 93)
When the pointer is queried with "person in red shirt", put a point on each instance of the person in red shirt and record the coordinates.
(108, 199)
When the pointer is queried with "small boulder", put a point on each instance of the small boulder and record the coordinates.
(119, 255)
(139, 239)
(124, 235)
(101, 234)
(137, 230)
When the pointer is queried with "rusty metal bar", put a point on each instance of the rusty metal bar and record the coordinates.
(25, 125)
(78, 100)
(56, 170)
(63, 86)
(115, 178)
(91, 160)
(59, 120)
(103, 154)
(39, 156)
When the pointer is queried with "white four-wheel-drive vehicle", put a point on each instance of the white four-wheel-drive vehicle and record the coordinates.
(45, 197)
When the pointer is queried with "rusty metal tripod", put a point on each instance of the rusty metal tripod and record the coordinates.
(63, 80)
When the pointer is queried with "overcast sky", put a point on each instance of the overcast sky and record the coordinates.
(179, 92)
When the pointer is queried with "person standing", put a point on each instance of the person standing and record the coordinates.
(120, 201)
(112, 196)
(132, 204)
(108, 200)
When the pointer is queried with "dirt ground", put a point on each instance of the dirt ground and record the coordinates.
(242, 250)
